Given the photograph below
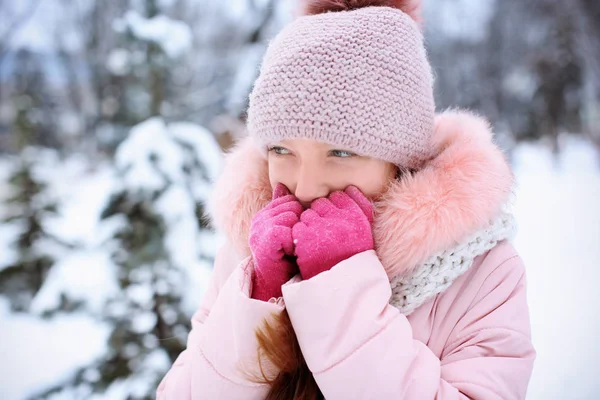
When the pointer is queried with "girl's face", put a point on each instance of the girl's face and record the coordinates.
(312, 169)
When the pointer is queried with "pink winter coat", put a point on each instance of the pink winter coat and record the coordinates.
(472, 341)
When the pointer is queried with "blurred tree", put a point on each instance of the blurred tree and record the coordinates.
(157, 204)
(557, 100)
(27, 208)
(147, 314)
(107, 77)
(28, 205)
(147, 319)
(16, 22)
(525, 69)
(33, 105)
(586, 14)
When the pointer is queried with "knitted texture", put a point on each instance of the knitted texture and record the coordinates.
(331, 230)
(272, 244)
(358, 79)
(437, 273)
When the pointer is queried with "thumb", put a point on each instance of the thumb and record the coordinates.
(363, 202)
(280, 191)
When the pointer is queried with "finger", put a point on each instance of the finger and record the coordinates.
(281, 200)
(323, 206)
(299, 231)
(342, 200)
(280, 191)
(309, 217)
(287, 219)
(363, 202)
(292, 205)
(283, 235)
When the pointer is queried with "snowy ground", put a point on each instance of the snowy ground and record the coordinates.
(559, 239)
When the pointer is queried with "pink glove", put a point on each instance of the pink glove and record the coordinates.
(272, 245)
(332, 230)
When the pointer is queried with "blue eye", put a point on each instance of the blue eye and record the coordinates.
(341, 153)
(280, 151)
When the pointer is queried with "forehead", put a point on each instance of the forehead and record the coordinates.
(303, 143)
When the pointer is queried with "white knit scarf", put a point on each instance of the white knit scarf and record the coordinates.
(437, 273)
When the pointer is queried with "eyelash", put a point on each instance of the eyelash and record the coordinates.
(275, 149)
(350, 155)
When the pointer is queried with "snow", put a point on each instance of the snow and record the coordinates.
(78, 219)
(182, 235)
(465, 20)
(246, 75)
(559, 229)
(8, 255)
(203, 144)
(559, 237)
(37, 353)
(38, 33)
(138, 385)
(80, 208)
(165, 142)
(140, 294)
(143, 322)
(145, 139)
(70, 123)
(86, 275)
(174, 37)
(520, 83)
(154, 137)
(118, 61)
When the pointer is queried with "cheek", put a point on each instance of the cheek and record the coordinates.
(372, 181)
(369, 188)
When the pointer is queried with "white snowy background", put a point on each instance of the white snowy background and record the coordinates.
(558, 211)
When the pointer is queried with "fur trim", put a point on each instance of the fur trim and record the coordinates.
(458, 192)
(242, 190)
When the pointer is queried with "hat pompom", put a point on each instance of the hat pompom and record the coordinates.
(314, 7)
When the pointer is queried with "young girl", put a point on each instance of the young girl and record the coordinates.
(368, 252)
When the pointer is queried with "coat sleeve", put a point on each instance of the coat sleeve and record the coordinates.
(221, 347)
(360, 347)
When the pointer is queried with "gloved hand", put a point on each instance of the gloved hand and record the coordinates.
(272, 245)
(332, 230)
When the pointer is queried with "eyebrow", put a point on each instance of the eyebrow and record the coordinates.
(323, 145)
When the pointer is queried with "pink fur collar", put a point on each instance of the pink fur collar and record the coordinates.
(459, 191)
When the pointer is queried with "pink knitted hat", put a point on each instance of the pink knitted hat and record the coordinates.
(355, 75)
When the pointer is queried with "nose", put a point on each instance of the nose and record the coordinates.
(310, 185)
